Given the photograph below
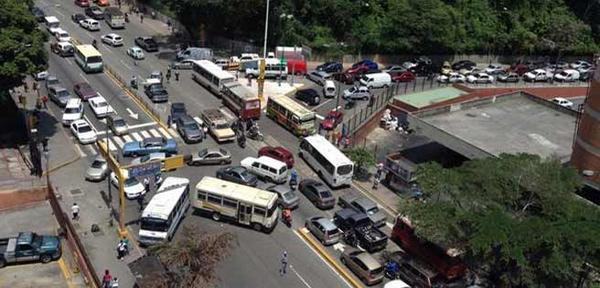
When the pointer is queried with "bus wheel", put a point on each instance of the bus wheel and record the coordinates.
(216, 216)
(256, 227)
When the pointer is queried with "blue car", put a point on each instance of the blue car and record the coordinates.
(330, 67)
(366, 62)
(150, 145)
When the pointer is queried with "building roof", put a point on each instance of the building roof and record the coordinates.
(426, 98)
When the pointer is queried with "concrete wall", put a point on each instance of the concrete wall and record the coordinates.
(21, 197)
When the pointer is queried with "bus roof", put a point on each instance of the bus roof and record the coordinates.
(241, 90)
(88, 50)
(232, 190)
(294, 107)
(327, 149)
(213, 69)
(165, 199)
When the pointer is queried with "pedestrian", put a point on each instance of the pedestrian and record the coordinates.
(379, 167)
(237, 75)
(141, 17)
(35, 85)
(168, 75)
(284, 263)
(45, 101)
(126, 244)
(75, 210)
(120, 250)
(375, 182)
(140, 201)
(106, 279)
(169, 24)
(119, 3)
(115, 283)
(177, 75)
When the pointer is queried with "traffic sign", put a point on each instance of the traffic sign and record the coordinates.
(147, 169)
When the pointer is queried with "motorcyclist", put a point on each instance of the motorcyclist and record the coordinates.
(134, 83)
(242, 140)
(391, 269)
(293, 179)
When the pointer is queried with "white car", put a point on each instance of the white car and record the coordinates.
(568, 75)
(112, 39)
(563, 102)
(83, 131)
(136, 53)
(90, 24)
(357, 93)
(452, 78)
(100, 107)
(73, 111)
(493, 69)
(133, 187)
(579, 63)
(150, 157)
(62, 35)
(469, 70)
(537, 75)
(480, 78)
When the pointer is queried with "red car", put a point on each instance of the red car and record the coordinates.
(278, 153)
(82, 3)
(520, 69)
(296, 66)
(84, 91)
(403, 76)
(333, 119)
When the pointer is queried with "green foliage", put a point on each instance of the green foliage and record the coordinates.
(361, 157)
(516, 217)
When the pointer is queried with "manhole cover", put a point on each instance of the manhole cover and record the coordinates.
(76, 192)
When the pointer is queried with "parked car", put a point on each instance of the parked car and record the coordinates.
(208, 156)
(330, 67)
(102, 2)
(480, 78)
(563, 102)
(463, 64)
(29, 246)
(62, 35)
(185, 64)
(278, 153)
(189, 129)
(519, 69)
(579, 63)
(136, 53)
(78, 17)
(90, 24)
(38, 14)
(357, 93)
(52, 80)
(446, 68)
(98, 169)
(83, 131)
(567, 75)
(94, 12)
(364, 205)
(511, 77)
(585, 76)
(117, 125)
(237, 174)
(309, 96)
(73, 111)
(84, 91)
(366, 62)
(149, 145)
(332, 120)
(452, 78)
(469, 70)
(100, 107)
(537, 75)
(177, 110)
(112, 39)
(318, 77)
(493, 69)
(287, 197)
(359, 230)
(317, 193)
(147, 43)
(323, 229)
(59, 95)
(156, 92)
(365, 266)
(394, 69)
(402, 76)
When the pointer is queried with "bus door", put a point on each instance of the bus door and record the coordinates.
(244, 213)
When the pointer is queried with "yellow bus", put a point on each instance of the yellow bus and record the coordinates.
(291, 115)
(88, 58)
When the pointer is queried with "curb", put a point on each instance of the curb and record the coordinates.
(61, 165)
(338, 268)
(379, 201)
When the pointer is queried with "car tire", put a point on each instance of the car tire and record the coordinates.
(45, 258)
(216, 216)
(257, 227)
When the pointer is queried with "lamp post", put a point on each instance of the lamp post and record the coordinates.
(266, 30)
(283, 17)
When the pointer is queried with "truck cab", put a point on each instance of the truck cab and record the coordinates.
(218, 125)
(359, 230)
(29, 246)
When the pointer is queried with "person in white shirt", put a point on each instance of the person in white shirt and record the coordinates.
(75, 210)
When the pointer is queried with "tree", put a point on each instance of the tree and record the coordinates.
(362, 159)
(516, 217)
(191, 261)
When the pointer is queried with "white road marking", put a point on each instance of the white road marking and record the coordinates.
(122, 62)
(69, 61)
(127, 138)
(319, 117)
(339, 247)
(111, 145)
(79, 150)
(137, 136)
(155, 133)
(145, 134)
(164, 132)
(59, 13)
(85, 79)
(118, 141)
(298, 274)
(142, 125)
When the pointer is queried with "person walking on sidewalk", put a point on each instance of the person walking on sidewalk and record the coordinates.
(168, 75)
(120, 250)
(375, 182)
(141, 17)
(75, 211)
(115, 283)
(177, 75)
(106, 279)
(140, 199)
(126, 244)
(284, 263)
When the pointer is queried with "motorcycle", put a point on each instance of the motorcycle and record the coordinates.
(134, 83)
(241, 140)
(255, 134)
(293, 183)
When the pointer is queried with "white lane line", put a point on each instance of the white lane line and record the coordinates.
(69, 61)
(83, 77)
(59, 13)
(90, 149)
(90, 122)
(315, 108)
(155, 133)
(319, 117)
(127, 138)
(122, 62)
(137, 136)
(145, 134)
(80, 151)
(142, 125)
(301, 278)
(89, 34)
(118, 141)
(164, 132)
(112, 145)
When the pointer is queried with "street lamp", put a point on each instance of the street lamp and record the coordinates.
(284, 17)
(266, 30)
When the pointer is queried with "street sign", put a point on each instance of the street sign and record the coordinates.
(151, 168)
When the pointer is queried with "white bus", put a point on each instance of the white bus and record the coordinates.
(243, 204)
(88, 58)
(164, 211)
(274, 68)
(210, 75)
(329, 162)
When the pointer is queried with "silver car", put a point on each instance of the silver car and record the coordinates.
(287, 197)
(323, 229)
(208, 156)
(98, 170)
(117, 125)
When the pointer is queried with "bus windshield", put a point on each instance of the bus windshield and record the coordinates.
(344, 169)
(94, 59)
(153, 224)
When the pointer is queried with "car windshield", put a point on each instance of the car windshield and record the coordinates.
(245, 174)
(71, 110)
(222, 126)
(344, 169)
(83, 129)
(131, 182)
(352, 89)
(325, 193)
(119, 122)
(101, 104)
(153, 224)
(63, 94)
(288, 195)
(191, 126)
(97, 164)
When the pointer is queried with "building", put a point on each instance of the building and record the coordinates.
(586, 147)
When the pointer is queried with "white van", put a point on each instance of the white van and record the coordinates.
(376, 80)
(73, 111)
(267, 167)
(51, 24)
(329, 89)
(62, 35)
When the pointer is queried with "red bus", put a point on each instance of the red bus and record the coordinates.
(241, 100)
(447, 262)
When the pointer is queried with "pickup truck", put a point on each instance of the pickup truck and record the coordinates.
(359, 230)
(363, 205)
(218, 125)
(29, 246)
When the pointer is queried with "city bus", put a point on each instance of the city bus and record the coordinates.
(242, 204)
(211, 76)
(291, 115)
(165, 210)
(241, 100)
(329, 162)
(88, 58)
(274, 68)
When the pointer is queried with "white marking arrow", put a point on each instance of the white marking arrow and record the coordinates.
(131, 114)
(339, 247)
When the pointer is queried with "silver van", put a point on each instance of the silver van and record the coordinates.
(365, 266)
(329, 89)
(195, 53)
(323, 229)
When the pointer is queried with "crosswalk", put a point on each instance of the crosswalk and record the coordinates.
(116, 143)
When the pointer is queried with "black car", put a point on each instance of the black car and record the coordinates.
(156, 92)
(38, 14)
(463, 64)
(78, 17)
(309, 96)
(177, 110)
(147, 43)
(94, 12)
(330, 67)
(237, 174)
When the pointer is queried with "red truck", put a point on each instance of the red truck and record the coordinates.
(446, 262)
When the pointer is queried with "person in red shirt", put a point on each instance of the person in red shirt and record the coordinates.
(106, 279)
